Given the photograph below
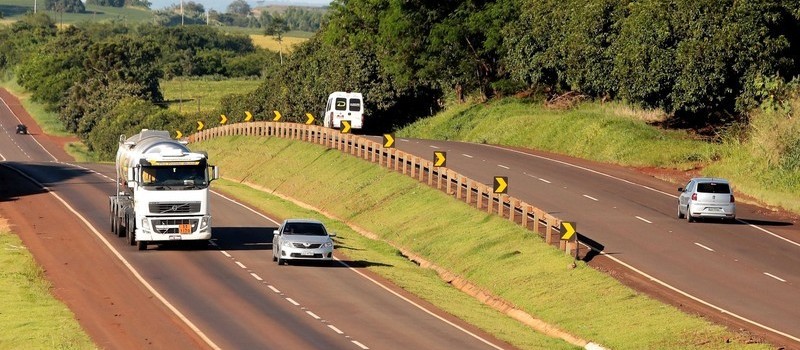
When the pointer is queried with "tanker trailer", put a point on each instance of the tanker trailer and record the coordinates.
(162, 191)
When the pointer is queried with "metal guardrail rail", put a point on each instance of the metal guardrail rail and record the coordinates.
(462, 188)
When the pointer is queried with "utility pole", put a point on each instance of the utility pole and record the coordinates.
(34, 6)
(181, 13)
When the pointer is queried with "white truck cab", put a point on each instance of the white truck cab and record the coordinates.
(344, 106)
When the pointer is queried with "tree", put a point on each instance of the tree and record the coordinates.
(239, 7)
(277, 27)
(70, 6)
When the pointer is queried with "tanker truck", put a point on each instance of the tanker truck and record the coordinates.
(162, 191)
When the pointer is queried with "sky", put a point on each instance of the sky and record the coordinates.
(222, 5)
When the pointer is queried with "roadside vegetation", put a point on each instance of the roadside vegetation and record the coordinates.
(30, 317)
(479, 248)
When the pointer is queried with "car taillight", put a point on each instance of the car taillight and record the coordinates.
(732, 199)
(694, 196)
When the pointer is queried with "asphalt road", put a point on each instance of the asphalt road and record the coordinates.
(749, 269)
(232, 293)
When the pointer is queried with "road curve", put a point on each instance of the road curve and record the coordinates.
(230, 294)
(750, 269)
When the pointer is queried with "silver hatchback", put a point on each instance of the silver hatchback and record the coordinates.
(302, 239)
(705, 197)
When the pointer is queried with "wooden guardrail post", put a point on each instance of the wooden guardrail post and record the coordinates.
(490, 202)
(501, 204)
(548, 233)
(479, 196)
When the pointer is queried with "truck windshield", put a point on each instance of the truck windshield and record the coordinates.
(175, 177)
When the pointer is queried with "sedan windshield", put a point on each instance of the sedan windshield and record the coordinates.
(307, 229)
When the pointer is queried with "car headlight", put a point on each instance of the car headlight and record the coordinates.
(327, 245)
(287, 244)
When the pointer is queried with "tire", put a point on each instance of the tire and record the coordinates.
(689, 217)
(680, 215)
(130, 232)
(142, 245)
(274, 258)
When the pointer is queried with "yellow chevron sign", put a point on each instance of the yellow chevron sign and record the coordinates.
(309, 119)
(277, 116)
(388, 140)
(500, 184)
(568, 230)
(222, 119)
(178, 134)
(439, 158)
(345, 127)
(249, 116)
(200, 125)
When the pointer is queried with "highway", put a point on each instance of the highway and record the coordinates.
(749, 269)
(230, 294)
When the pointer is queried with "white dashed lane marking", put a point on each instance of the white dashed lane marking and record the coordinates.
(241, 265)
(467, 155)
(775, 277)
(503, 166)
(643, 219)
(704, 247)
(590, 197)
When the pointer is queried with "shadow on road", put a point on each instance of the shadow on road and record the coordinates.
(14, 185)
(596, 247)
(243, 238)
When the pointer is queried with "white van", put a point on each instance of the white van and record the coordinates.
(344, 106)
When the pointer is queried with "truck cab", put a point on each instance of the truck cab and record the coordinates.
(344, 106)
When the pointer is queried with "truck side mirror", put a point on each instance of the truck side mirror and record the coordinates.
(214, 173)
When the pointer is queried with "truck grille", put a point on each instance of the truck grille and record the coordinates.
(172, 226)
(174, 208)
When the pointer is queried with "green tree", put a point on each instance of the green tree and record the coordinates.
(70, 6)
(239, 7)
(277, 27)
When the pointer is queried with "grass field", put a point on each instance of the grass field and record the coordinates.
(202, 96)
(12, 9)
(31, 317)
(268, 42)
(472, 244)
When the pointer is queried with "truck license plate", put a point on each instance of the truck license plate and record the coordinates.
(185, 228)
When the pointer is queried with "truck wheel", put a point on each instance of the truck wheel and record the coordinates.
(142, 245)
(130, 231)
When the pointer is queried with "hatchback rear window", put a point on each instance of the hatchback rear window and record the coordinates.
(713, 187)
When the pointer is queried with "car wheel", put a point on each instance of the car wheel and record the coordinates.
(680, 215)
(142, 245)
(274, 258)
(689, 217)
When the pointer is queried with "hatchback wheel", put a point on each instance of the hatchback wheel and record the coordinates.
(680, 215)
(689, 217)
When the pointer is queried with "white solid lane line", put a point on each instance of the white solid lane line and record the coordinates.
(775, 277)
(643, 219)
(704, 247)
(590, 197)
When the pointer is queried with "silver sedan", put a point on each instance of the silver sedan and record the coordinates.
(302, 239)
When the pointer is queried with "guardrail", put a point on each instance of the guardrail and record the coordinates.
(461, 187)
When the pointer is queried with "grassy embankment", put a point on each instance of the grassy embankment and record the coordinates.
(30, 317)
(614, 133)
(450, 234)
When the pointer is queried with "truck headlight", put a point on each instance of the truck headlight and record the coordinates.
(205, 223)
(145, 226)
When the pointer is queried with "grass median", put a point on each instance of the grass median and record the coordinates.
(488, 251)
